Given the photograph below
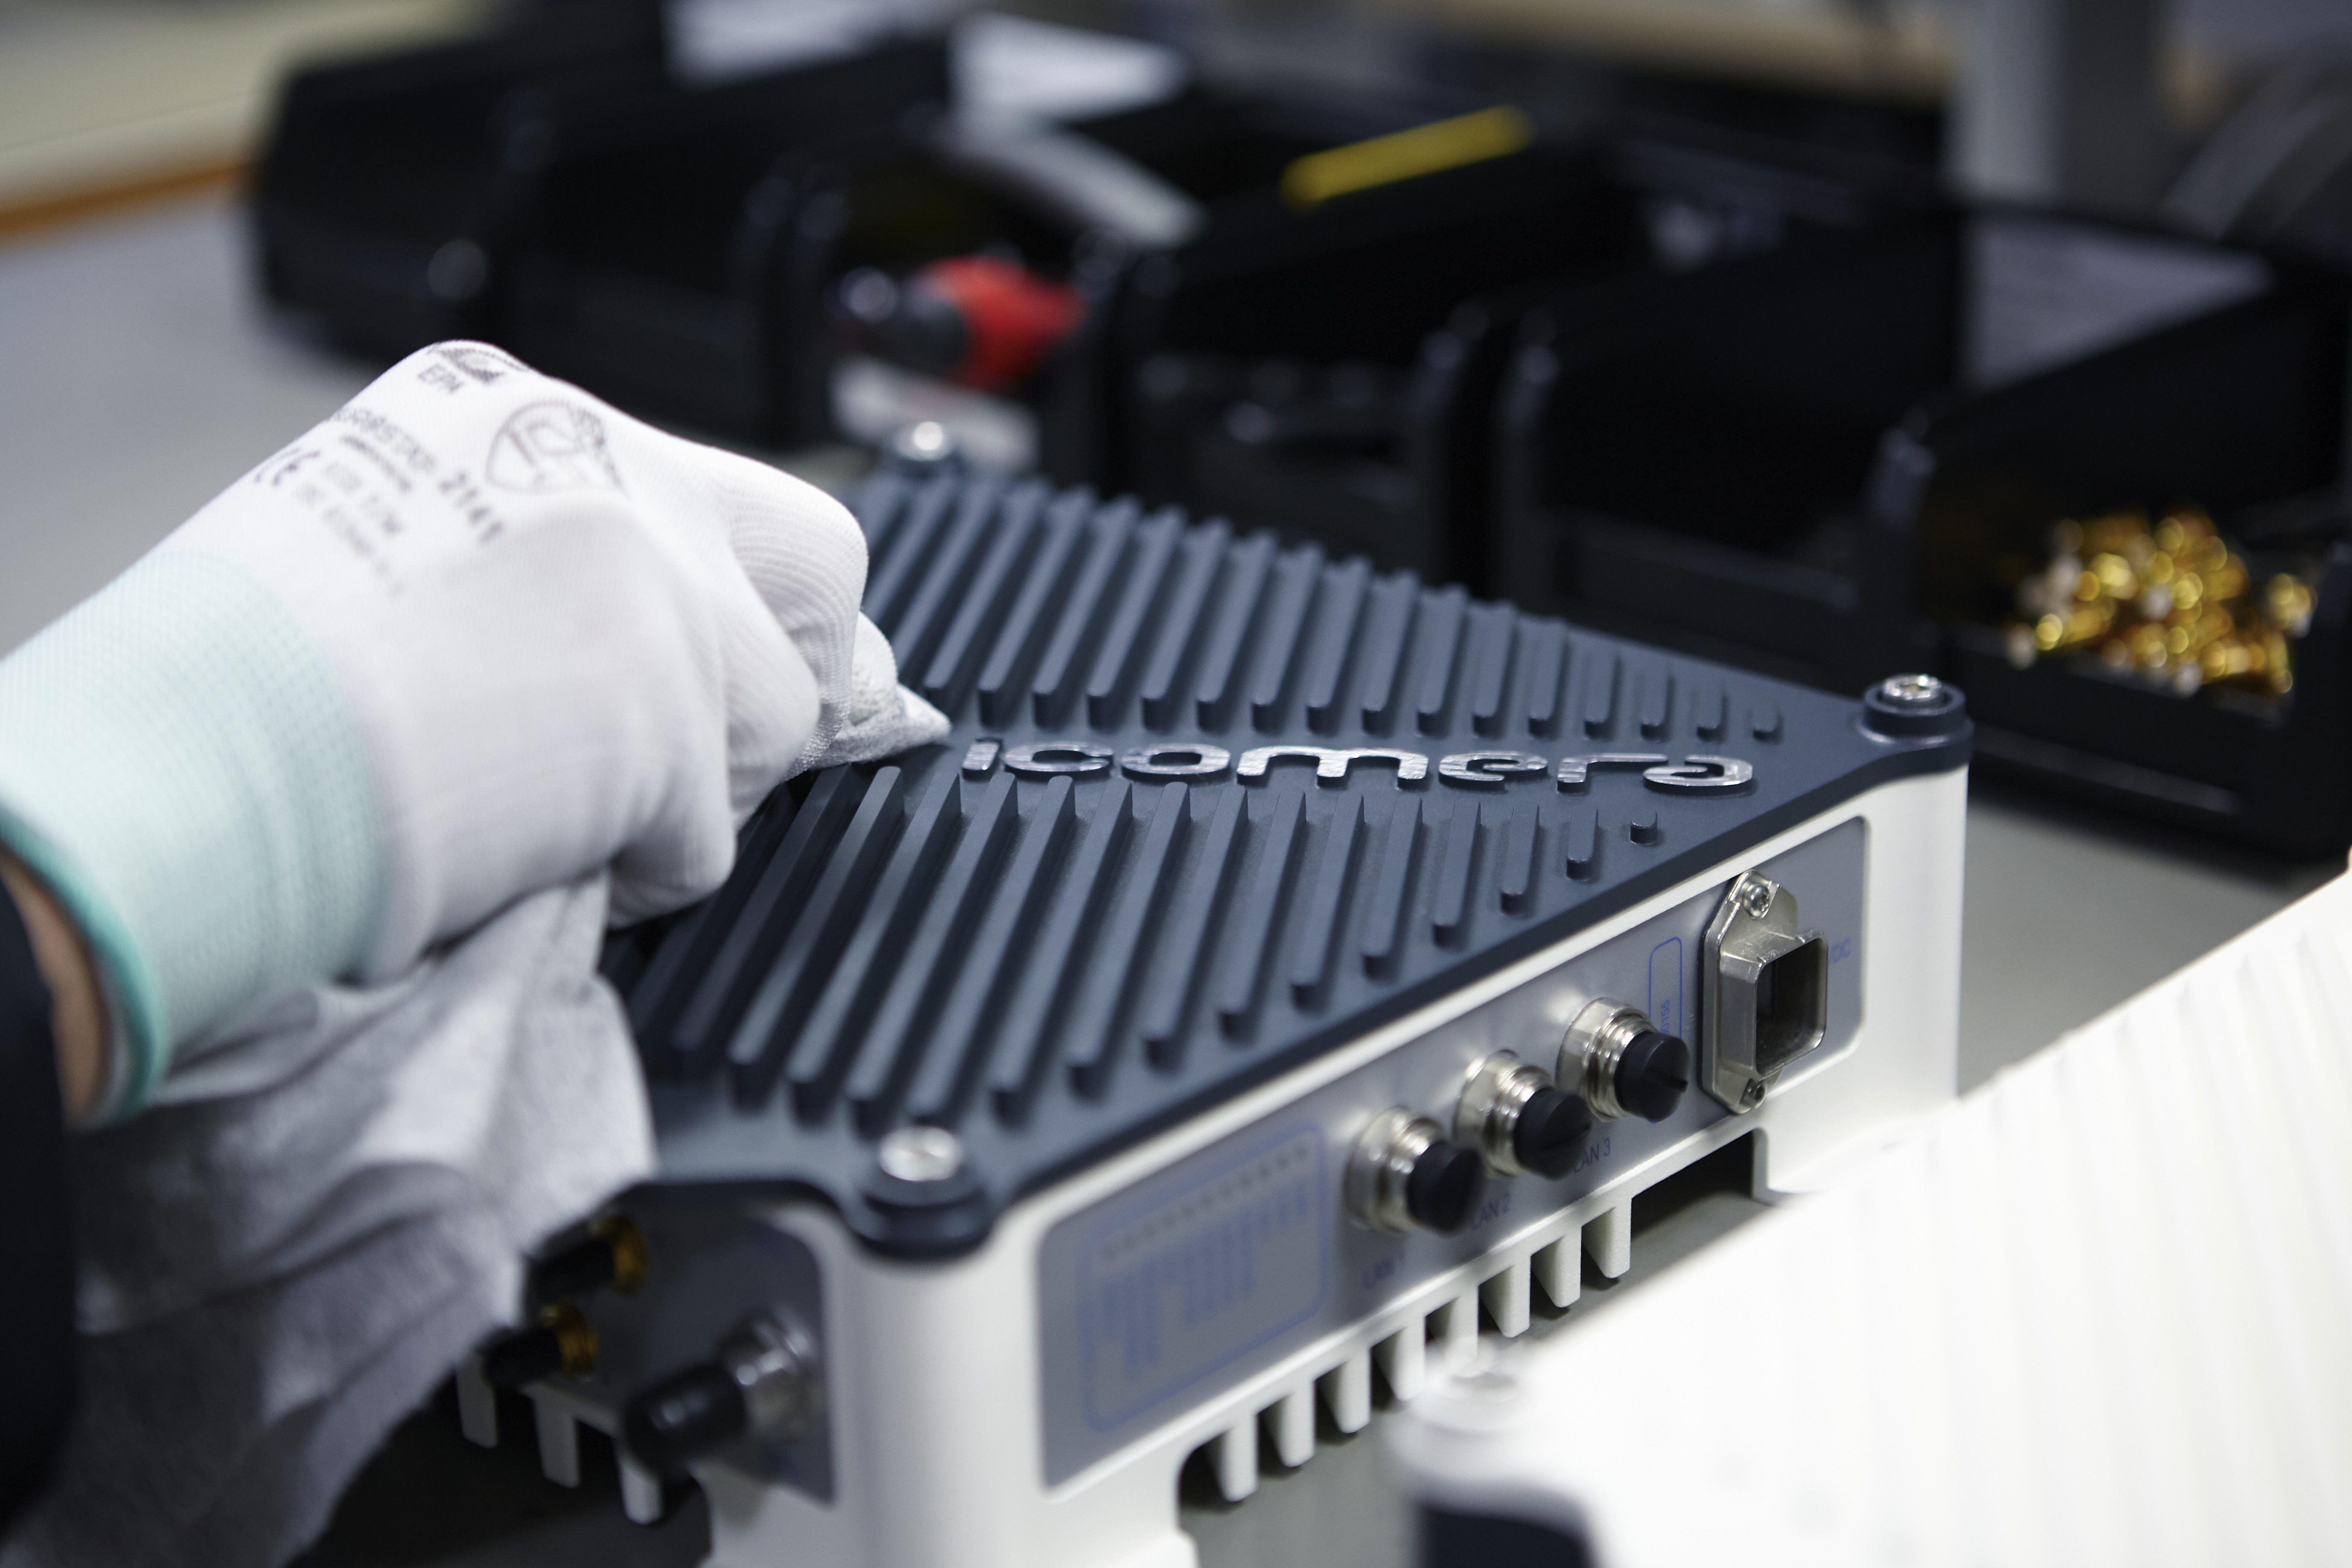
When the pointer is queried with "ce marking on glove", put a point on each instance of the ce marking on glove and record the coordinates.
(550, 448)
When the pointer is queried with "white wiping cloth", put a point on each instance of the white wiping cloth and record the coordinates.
(881, 718)
(289, 1249)
(323, 1209)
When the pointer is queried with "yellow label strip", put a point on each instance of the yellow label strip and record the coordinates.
(1405, 156)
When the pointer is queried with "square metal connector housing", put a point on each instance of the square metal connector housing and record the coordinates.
(1766, 991)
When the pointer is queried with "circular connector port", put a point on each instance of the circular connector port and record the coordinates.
(1442, 1192)
(1551, 1133)
(683, 1417)
(558, 1340)
(1514, 1115)
(1626, 1065)
(612, 1254)
(761, 1383)
(1404, 1176)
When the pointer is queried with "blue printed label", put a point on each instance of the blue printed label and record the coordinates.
(1665, 1003)
(1170, 1295)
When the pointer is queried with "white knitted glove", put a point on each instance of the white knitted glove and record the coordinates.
(475, 634)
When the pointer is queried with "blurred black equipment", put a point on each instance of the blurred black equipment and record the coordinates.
(1715, 367)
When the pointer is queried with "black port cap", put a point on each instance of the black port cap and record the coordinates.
(523, 1356)
(1442, 1192)
(683, 1417)
(1652, 1074)
(1550, 1133)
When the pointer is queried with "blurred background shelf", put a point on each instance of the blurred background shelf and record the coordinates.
(106, 103)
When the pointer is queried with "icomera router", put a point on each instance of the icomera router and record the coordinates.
(1283, 969)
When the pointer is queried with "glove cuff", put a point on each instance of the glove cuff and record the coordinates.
(179, 765)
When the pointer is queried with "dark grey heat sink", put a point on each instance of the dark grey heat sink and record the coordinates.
(1055, 967)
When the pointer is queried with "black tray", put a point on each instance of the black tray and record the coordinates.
(383, 180)
(2242, 412)
(673, 253)
(1686, 456)
(576, 202)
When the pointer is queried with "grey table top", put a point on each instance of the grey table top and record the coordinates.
(137, 378)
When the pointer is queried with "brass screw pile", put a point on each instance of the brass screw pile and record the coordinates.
(2172, 604)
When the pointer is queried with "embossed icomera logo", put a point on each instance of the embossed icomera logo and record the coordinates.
(1472, 770)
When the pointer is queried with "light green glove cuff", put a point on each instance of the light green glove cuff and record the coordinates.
(178, 764)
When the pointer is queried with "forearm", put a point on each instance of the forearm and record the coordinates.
(77, 1003)
(36, 1343)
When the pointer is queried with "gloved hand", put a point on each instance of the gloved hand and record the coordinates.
(475, 634)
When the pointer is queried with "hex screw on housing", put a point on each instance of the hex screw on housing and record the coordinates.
(1913, 708)
(1912, 691)
(923, 447)
(920, 1153)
